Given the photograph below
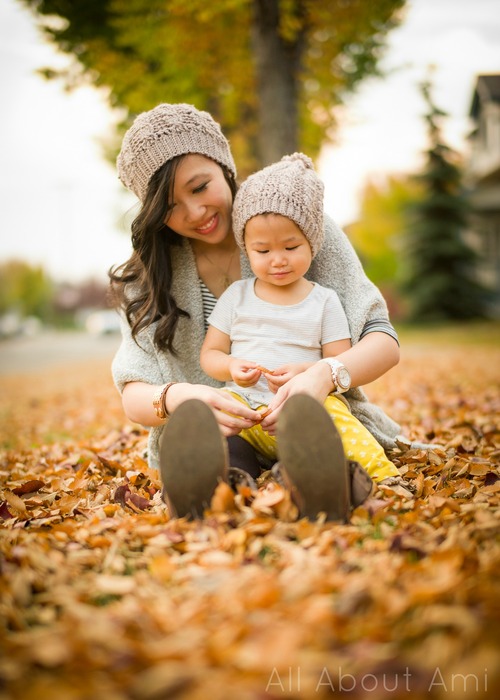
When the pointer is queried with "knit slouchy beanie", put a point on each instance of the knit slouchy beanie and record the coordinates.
(167, 131)
(290, 187)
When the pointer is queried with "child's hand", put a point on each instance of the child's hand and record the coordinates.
(283, 374)
(243, 372)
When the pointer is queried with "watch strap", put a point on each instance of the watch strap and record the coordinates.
(335, 365)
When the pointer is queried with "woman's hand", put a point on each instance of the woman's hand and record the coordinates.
(231, 415)
(366, 361)
(315, 381)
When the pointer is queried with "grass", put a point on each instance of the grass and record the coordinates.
(485, 333)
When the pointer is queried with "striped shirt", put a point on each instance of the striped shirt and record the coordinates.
(209, 302)
(381, 325)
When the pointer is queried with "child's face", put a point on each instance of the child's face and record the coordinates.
(202, 201)
(278, 251)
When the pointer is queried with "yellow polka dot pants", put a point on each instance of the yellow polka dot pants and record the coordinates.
(359, 444)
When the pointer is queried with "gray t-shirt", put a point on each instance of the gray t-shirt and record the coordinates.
(272, 334)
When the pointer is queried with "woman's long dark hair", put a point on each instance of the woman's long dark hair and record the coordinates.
(142, 285)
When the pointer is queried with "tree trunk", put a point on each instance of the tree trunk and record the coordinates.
(276, 63)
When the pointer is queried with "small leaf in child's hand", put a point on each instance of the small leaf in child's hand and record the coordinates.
(265, 413)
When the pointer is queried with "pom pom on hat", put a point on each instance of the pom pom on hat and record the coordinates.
(290, 187)
(167, 131)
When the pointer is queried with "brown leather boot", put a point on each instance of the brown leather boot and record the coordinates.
(193, 459)
(313, 462)
(361, 482)
(239, 477)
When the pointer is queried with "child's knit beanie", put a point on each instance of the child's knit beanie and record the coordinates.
(167, 131)
(290, 187)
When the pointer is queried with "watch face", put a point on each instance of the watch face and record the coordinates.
(343, 378)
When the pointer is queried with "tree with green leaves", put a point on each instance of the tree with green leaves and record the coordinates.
(25, 289)
(441, 279)
(378, 232)
(271, 71)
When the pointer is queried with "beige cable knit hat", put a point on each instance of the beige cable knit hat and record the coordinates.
(167, 131)
(290, 187)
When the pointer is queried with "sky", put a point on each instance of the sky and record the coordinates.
(62, 206)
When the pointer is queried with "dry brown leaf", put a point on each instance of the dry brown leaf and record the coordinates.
(15, 502)
(223, 498)
(103, 596)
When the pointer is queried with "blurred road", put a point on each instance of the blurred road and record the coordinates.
(54, 348)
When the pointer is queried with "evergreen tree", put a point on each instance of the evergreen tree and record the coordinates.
(440, 275)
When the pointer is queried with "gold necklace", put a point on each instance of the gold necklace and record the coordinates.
(225, 280)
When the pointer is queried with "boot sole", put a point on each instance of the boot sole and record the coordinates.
(193, 459)
(312, 456)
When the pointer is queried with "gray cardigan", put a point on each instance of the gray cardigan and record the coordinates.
(336, 266)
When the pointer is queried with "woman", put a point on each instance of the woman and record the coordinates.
(178, 163)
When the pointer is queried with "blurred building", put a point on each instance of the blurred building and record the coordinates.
(483, 180)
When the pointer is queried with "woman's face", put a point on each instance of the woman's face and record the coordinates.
(202, 201)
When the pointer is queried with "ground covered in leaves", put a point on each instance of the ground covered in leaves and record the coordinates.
(103, 597)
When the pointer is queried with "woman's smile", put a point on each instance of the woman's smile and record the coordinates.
(209, 226)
